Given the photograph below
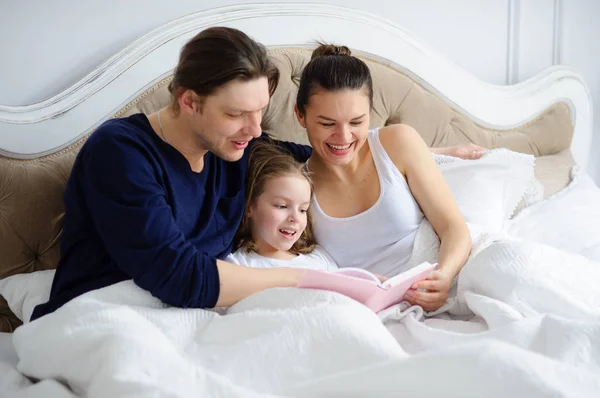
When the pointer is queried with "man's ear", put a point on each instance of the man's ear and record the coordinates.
(301, 118)
(188, 101)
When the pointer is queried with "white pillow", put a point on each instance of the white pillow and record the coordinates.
(23, 292)
(487, 190)
(534, 193)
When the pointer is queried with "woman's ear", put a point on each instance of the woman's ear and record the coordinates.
(300, 116)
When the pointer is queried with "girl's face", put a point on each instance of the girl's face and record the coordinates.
(337, 124)
(278, 216)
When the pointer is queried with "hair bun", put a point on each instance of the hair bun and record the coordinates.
(330, 49)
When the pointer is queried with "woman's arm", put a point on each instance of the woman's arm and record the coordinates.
(464, 151)
(413, 159)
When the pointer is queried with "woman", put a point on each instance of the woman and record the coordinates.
(373, 188)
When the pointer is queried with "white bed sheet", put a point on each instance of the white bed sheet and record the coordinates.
(121, 341)
(7, 349)
(569, 220)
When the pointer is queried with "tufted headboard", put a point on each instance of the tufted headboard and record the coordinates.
(33, 172)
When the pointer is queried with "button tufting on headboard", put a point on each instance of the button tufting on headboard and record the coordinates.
(31, 211)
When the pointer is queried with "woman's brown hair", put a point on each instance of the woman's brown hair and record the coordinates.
(216, 56)
(268, 161)
(333, 68)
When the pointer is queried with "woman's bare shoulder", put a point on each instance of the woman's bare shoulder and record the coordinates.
(401, 142)
(395, 134)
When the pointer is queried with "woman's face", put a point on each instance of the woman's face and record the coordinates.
(337, 124)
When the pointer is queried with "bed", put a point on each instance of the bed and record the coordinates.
(531, 349)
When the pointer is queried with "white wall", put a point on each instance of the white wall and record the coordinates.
(47, 45)
(578, 46)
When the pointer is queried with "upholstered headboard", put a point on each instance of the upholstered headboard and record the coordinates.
(33, 173)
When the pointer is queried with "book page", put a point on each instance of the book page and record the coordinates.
(358, 273)
(411, 273)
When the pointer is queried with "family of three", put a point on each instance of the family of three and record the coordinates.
(197, 206)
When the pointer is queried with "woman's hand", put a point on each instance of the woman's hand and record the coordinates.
(437, 286)
(463, 151)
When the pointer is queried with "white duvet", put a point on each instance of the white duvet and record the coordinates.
(569, 220)
(524, 322)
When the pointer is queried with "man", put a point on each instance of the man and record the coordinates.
(158, 199)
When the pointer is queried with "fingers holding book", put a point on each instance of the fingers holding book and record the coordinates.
(382, 278)
(430, 293)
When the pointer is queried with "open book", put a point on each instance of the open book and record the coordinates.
(364, 287)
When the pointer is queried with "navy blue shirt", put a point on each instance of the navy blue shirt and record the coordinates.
(136, 210)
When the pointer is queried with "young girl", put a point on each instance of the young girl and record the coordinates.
(276, 229)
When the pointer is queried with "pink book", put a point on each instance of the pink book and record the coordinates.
(364, 287)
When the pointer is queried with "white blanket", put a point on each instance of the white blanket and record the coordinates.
(569, 220)
(525, 321)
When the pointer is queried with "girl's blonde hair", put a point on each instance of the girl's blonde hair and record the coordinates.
(268, 161)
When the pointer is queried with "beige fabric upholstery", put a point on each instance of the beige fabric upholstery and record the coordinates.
(31, 215)
(554, 171)
(31, 205)
(398, 99)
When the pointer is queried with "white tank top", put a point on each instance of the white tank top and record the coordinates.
(381, 238)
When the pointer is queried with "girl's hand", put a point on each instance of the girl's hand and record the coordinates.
(437, 286)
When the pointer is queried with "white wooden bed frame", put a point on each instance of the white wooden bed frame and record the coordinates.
(45, 127)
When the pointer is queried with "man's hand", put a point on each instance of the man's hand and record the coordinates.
(463, 151)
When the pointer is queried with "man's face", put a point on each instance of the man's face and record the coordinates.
(231, 117)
